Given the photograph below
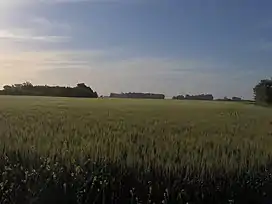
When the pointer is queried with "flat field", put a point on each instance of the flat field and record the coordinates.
(179, 143)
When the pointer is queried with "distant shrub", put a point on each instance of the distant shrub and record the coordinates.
(207, 97)
(137, 95)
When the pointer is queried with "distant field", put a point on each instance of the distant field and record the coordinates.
(179, 141)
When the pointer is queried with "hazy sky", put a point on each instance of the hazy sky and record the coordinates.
(222, 47)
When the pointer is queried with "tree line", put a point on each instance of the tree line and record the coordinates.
(262, 92)
(230, 99)
(138, 95)
(81, 90)
(207, 97)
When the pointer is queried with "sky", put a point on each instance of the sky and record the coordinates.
(221, 47)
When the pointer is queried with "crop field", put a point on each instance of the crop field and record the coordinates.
(61, 150)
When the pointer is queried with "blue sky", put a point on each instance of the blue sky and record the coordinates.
(222, 47)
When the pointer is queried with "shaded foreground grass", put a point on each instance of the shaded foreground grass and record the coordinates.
(133, 151)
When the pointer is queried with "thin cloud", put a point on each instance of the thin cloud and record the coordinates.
(89, 1)
(46, 24)
(11, 4)
(27, 36)
(93, 1)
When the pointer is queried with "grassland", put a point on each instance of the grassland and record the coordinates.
(108, 150)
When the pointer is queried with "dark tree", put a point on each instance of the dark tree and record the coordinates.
(263, 92)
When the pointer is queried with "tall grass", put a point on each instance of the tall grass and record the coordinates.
(103, 150)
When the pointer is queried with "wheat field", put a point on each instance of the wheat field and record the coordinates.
(172, 147)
